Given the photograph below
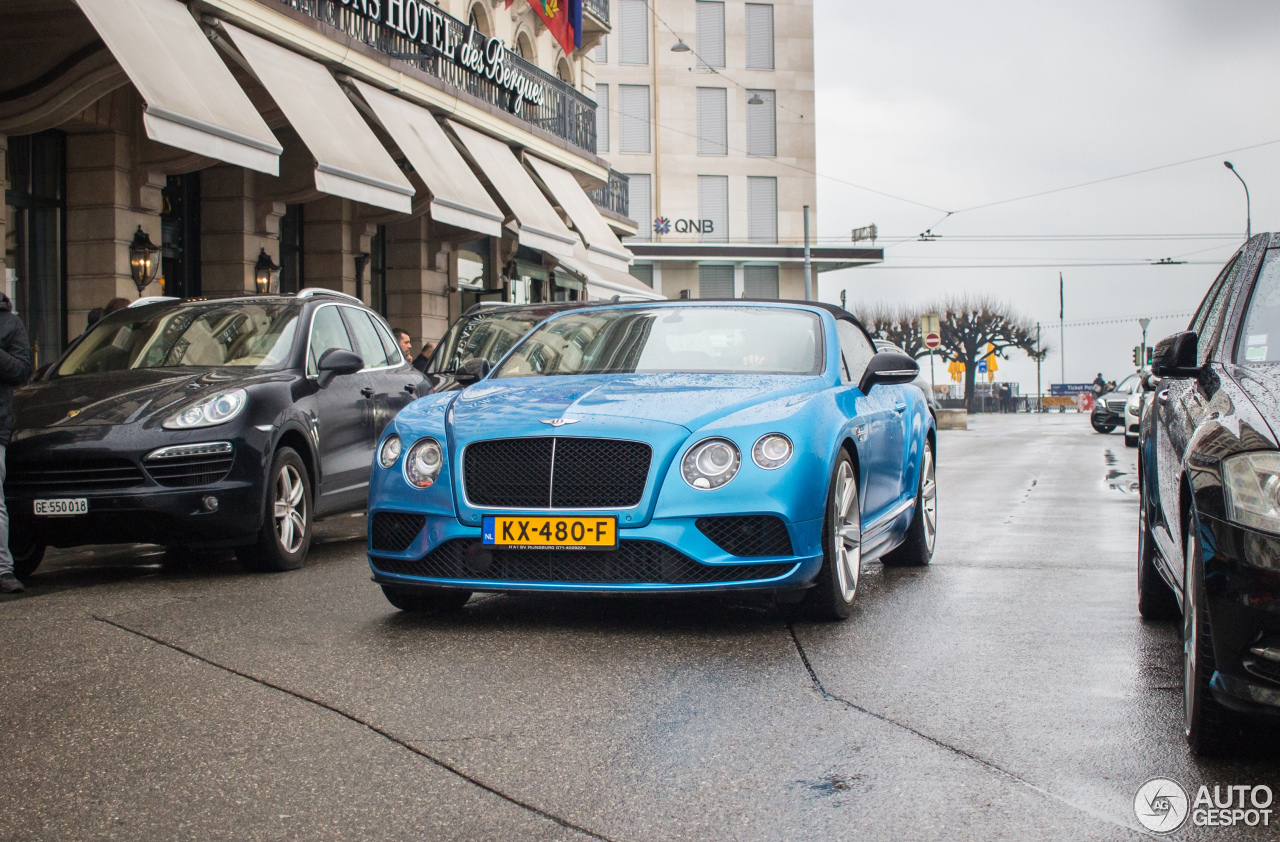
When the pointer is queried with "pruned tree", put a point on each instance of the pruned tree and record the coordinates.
(899, 325)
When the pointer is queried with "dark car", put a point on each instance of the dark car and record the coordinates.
(205, 423)
(1209, 489)
(482, 336)
(1108, 409)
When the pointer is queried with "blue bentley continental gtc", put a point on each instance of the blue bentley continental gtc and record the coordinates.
(662, 447)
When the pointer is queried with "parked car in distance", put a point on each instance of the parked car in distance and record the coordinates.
(231, 422)
(659, 448)
(1108, 409)
(1209, 499)
(1137, 402)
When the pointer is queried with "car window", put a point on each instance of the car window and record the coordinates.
(1211, 327)
(1128, 384)
(1202, 312)
(368, 344)
(1262, 319)
(484, 335)
(327, 332)
(389, 344)
(855, 348)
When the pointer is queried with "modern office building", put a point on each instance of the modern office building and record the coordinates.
(418, 155)
(707, 107)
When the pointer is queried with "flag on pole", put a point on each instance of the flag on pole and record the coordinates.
(564, 19)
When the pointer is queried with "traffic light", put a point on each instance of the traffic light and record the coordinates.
(1151, 352)
(1137, 356)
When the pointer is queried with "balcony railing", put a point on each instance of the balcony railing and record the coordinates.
(545, 101)
(615, 196)
(599, 8)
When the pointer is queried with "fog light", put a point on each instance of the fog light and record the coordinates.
(210, 503)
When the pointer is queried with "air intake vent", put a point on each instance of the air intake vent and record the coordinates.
(394, 532)
(747, 535)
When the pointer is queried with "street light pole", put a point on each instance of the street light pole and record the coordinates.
(1248, 212)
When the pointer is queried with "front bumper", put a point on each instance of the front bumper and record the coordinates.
(1102, 416)
(696, 563)
(1242, 582)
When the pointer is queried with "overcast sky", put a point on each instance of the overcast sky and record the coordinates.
(955, 105)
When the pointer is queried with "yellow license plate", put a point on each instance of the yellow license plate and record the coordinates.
(534, 532)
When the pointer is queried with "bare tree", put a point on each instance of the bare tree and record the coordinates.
(899, 325)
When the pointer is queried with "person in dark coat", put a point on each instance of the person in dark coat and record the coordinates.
(420, 361)
(15, 369)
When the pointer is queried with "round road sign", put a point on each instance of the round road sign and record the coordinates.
(932, 340)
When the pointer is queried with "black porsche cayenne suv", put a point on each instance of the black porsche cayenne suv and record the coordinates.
(1209, 522)
(230, 422)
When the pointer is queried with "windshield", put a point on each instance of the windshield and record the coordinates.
(1127, 385)
(203, 334)
(1263, 318)
(691, 340)
(486, 335)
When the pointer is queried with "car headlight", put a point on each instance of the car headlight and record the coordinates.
(1252, 484)
(711, 463)
(390, 451)
(772, 451)
(211, 411)
(422, 465)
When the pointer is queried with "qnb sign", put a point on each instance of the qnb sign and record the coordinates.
(422, 23)
(662, 225)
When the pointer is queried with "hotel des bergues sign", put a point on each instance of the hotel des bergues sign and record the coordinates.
(422, 23)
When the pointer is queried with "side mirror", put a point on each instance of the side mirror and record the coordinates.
(471, 371)
(1175, 356)
(334, 362)
(889, 367)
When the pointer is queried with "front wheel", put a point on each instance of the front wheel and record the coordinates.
(1102, 428)
(917, 549)
(285, 536)
(1209, 725)
(1130, 441)
(426, 600)
(831, 597)
(1156, 600)
(27, 556)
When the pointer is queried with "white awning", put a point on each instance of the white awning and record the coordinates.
(350, 160)
(191, 99)
(457, 197)
(603, 246)
(538, 226)
(603, 282)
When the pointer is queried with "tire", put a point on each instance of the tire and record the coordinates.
(1156, 600)
(836, 586)
(917, 549)
(26, 558)
(288, 511)
(1209, 725)
(426, 600)
(1130, 441)
(1105, 429)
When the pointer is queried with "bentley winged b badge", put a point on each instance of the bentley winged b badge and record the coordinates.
(560, 422)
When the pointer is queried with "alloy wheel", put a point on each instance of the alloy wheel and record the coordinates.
(1190, 630)
(929, 499)
(290, 509)
(847, 533)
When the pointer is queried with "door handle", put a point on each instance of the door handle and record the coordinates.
(367, 391)
(900, 408)
(1163, 396)
(411, 389)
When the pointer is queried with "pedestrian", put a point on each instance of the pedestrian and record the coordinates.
(1099, 384)
(114, 305)
(420, 363)
(15, 369)
(404, 340)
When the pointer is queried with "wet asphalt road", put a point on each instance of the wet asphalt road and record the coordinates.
(1008, 691)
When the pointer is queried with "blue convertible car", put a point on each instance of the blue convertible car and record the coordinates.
(662, 447)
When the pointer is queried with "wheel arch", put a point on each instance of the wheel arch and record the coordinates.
(301, 444)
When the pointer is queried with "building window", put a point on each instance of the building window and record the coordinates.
(633, 32)
(180, 235)
(524, 48)
(710, 21)
(760, 281)
(35, 239)
(602, 119)
(641, 197)
(713, 121)
(633, 119)
(479, 20)
(762, 209)
(292, 274)
(601, 54)
(564, 72)
(377, 271)
(715, 281)
(642, 272)
(713, 208)
(762, 124)
(760, 36)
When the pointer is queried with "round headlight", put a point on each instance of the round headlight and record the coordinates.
(710, 463)
(772, 451)
(390, 451)
(422, 465)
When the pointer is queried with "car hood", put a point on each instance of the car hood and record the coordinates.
(117, 397)
(521, 404)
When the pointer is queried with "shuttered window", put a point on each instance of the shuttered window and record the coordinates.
(762, 124)
(713, 121)
(633, 119)
(760, 281)
(713, 208)
(640, 193)
(762, 209)
(602, 119)
(715, 281)
(760, 36)
(633, 32)
(710, 33)
(642, 272)
(601, 54)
